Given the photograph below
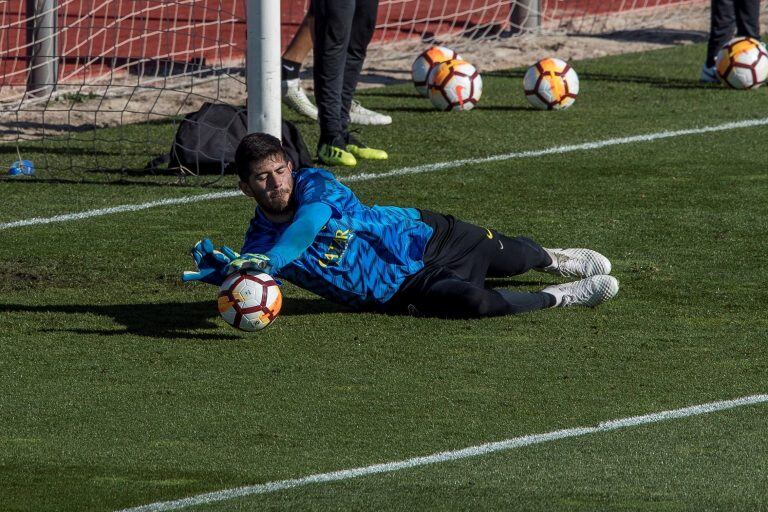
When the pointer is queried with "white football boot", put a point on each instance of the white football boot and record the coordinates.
(576, 263)
(588, 292)
(295, 98)
(358, 114)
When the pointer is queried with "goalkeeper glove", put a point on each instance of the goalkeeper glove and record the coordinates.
(211, 263)
(250, 261)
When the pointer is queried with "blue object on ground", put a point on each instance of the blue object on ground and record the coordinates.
(25, 167)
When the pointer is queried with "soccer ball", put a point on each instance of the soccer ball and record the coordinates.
(249, 300)
(454, 85)
(425, 62)
(743, 63)
(551, 84)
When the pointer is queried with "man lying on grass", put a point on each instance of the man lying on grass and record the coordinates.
(313, 231)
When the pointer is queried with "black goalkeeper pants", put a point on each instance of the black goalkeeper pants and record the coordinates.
(744, 15)
(458, 259)
(343, 29)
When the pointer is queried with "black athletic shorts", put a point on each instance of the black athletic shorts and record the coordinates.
(457, 249)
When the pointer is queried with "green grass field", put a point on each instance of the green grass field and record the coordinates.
(121, 386)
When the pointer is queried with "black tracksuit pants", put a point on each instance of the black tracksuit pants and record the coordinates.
(457, 260)
(343, 29)
(743, 14)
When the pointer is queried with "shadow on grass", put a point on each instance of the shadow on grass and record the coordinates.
(62, 132)
(389, 93)
(169, 320)
(510, 108)
(507, 73)
(427, 108)
(184, 320)
(659, 35)
(13, 128)
(157, 320)
(653, 81)
(37, 149)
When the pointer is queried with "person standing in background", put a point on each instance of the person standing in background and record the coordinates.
(343, 29)
(743, 15)
(294, 96)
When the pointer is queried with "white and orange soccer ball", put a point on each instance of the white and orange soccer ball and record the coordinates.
(249, 300)
(551, 84)
(425, 62)
(743, 63)
(454, 85)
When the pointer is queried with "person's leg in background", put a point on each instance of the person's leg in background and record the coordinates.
(333, 25)
(721, 25)
(748, 18)
(294, 95)
(293, 57)
(363, 26)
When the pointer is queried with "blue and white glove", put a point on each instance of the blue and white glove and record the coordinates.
(250, 261)
(211, 263)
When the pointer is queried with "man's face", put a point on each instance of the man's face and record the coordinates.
(271, 184)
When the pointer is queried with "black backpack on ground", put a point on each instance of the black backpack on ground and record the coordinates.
(206, 141)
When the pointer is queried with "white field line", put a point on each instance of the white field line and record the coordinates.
(118, 209)
(472, 451)
(403, 171)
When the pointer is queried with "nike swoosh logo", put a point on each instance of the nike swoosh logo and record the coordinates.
(289, 68)
(489, 235)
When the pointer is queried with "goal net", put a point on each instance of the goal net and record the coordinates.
(91, 89)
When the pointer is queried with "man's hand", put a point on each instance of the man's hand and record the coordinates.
(250, 261)
(211, 263)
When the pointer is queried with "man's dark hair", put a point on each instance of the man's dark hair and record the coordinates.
(256, 147)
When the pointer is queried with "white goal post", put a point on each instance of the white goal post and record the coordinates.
(263, 67)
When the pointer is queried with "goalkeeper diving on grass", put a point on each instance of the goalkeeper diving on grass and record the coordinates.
(311, 230)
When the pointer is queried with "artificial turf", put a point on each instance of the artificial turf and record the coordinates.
(121, 386)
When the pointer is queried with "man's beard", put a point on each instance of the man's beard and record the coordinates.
(277, 205)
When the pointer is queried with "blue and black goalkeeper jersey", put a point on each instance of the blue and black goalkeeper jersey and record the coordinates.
(360, 257)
